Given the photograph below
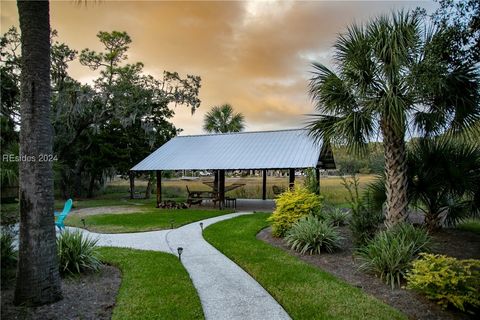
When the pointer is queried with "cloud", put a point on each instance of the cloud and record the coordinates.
(254, 55)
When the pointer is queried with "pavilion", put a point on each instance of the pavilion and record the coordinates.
(260, 150)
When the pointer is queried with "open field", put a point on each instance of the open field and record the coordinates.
(331, 187)
(116, 192)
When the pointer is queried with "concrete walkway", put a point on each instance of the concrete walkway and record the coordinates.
(226, 291)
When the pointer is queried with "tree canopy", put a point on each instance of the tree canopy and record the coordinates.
(102, 129)
(223, 119)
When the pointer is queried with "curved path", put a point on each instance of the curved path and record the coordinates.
(226, 291)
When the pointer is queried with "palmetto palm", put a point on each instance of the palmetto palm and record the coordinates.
(386, 75)
(38, 280)
(222, 119)
(443, 178)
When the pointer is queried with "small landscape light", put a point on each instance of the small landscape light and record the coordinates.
(201, 225)
(83, 221)
(180, 250)
(171, 223)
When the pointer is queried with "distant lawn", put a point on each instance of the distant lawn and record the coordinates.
(156, 219)
(306, 292)
(154, 286)
(472, 225)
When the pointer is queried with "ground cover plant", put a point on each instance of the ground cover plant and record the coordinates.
(153, 219)
(154, 284)
(447, 280)
(305, 292)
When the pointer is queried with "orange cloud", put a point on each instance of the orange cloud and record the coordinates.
(254, 55)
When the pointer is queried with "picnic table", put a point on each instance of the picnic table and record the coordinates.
(231, 187)
(198, 196)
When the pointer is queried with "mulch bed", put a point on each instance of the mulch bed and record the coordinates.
(452, 242)
(89, 296)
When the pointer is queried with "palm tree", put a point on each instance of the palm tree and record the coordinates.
(443, 180)
(38, 280)
(387, 75)
(222, 119)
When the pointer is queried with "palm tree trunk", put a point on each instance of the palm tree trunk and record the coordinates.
(396, 175)
(38, 280)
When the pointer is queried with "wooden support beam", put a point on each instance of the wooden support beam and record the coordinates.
(221, 188)
(131, 176)
(264, 186)
(215, 181)
(291, 179)
(317, 176)
(159, 188)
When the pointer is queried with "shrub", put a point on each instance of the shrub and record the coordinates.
(8, 255)
(336, 217)
(290, 207)
(311, 235)
(311, 181)
(364, 219)
(447, 280)
(389, 253)
(77, 253)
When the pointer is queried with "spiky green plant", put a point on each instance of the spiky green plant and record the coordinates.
(312, 235)
(389, 254)
(336, 217)
(77, 253)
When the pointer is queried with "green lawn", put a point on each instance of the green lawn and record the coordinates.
(472, 225)
(305, 291)
(154, 286)
(156, 219)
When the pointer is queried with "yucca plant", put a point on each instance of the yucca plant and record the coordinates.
(77, 253)
(312, 235)
(336, 217)
(9, 254)
(389, 254)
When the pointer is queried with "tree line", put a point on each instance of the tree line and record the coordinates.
(102, 128)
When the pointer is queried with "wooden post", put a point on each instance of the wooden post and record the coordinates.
(317, 176)
(264, 189)
(215, 181)
(159, 188)
(221, 188)
(291, 179)
(131, 176)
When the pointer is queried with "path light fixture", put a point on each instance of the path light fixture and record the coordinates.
(171, 223)
(83, 221)
(179, 250)
(201, 225)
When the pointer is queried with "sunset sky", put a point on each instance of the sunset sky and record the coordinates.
(255, 55)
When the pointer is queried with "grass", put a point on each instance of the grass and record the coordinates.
(306, 292)
(472, 225)
(156, 219)
(331, 187)
(154, 286)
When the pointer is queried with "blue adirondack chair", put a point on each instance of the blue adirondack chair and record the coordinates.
(62, 215)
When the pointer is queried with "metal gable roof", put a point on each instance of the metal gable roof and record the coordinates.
(230, 151)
